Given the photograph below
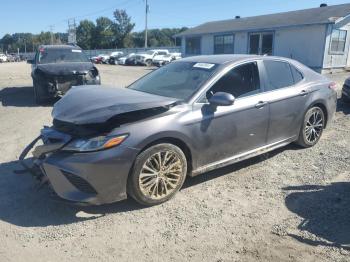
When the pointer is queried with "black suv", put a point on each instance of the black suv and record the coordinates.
(56, 68)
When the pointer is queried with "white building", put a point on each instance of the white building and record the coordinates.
(317, 37)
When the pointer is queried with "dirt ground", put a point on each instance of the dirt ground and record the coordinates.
(290, 205)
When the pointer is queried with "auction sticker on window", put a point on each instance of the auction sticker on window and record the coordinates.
(204, 65)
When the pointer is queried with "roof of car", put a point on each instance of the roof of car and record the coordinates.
(319, 15)
(218, 59)
(60, 47)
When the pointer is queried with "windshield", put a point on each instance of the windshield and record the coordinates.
(49, 56)
(178, 80)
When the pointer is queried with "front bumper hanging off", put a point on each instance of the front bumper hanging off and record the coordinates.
(90, 178)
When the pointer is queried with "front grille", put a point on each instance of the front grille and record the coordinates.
(79, 183)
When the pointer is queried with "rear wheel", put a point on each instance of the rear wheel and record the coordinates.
(312, 127)
(148, 63)
(40, 94)
(158, 174)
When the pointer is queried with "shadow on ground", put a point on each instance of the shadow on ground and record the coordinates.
(325, 211)
(22, 205)
(19, 97)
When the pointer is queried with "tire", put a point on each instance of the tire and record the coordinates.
(40, 95)
(148, 63)
(150, 185)
(312, 127)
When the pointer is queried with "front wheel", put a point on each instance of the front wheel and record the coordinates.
(312, 127)
(158, 174)
(40, 94)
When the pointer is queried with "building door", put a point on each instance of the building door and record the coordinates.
(261, 43)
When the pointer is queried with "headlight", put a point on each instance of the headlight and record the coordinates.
(95, 144)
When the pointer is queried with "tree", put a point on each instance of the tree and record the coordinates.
(104, 33)
(7, 41)
(85, 34)
(122, 27)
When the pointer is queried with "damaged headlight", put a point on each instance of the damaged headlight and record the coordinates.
(95, 144)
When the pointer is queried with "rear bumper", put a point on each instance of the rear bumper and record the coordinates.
(89, 178)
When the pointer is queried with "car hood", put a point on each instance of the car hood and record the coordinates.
(62, 69)
(97, 104)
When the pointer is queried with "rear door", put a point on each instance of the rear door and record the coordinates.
(287, 96)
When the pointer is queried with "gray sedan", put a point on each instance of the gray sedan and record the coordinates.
(184, 119)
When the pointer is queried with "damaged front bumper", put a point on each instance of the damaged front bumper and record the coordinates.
(91, 178)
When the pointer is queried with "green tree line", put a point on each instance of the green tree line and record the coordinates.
(104, 33)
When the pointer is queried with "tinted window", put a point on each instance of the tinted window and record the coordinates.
(193, 46)
(224, 44)
(296, 74)
(179, 80)
(48, 56)
(240, 81)
(279, 75)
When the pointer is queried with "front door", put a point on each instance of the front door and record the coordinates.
(230, 130)
(261, 43)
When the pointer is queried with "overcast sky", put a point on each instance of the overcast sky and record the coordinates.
(37, 15)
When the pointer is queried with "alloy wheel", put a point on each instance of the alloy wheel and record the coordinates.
(314, 126)
(161, 175)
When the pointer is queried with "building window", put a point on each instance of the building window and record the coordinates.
(193, 46)
(223, 44)
(338, 40)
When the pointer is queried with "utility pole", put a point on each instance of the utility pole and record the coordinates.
(51, 33)
(146, 24)
(72, 31)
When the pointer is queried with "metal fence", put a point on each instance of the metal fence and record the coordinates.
(92, 53)
(96, 52)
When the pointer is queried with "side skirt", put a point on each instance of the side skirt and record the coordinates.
(241, 157)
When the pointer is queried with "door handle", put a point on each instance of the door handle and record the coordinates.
(304, 93)
(261, 104)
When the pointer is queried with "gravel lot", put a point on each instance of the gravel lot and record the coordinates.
(290, 205)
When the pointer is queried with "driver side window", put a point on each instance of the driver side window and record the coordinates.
(240, 81)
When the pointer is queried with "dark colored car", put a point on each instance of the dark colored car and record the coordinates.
(186, 118)
(56, 68)
(131, 60)
(346, 90)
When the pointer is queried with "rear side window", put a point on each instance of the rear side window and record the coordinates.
(279, 75)
(296, 74)
(240, 81)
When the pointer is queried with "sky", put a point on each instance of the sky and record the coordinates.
(35, 16)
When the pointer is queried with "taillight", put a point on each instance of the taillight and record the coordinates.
(333, 85)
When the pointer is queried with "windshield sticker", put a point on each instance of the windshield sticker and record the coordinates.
(204, 65)
(76, 51)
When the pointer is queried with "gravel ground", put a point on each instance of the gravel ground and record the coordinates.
(290, 205)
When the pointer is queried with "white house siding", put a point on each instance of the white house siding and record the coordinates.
(336, 60)
(304, 44)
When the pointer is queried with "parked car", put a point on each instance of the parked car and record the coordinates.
(186, 118)
(113, 58)
(147, 57)
(3, 58)
(56, 68)
(15, 57)
(161, 60)
(131, 60)
(346, 90)
(122, 60)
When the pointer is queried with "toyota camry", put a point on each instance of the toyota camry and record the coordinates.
(186, 118)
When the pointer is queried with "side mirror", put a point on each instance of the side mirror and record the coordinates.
(222, 99)
(30, 61)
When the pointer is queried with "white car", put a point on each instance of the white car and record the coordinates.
(147, 58)
(122, 60)
(161, 60)
(3, 58)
